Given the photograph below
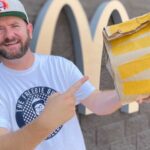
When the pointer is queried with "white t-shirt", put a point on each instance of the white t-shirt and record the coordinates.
(23, 95)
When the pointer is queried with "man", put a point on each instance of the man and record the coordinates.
(38, 93)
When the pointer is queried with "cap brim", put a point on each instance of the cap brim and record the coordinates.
(14, 13)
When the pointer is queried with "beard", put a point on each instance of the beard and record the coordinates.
(21, 52)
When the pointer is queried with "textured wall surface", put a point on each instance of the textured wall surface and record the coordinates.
(113, 132)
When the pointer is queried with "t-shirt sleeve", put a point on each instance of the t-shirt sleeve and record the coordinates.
(74, 75)
(4, 115)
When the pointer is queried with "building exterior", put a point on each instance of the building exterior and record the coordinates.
(118, 131)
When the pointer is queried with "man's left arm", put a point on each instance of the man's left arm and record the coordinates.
(102, 102)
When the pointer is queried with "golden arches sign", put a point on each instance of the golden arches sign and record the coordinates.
(88, 39)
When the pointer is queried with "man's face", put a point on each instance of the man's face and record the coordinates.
(39, 108)
(15, 37)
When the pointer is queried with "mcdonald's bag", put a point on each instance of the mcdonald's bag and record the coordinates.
(128, 48)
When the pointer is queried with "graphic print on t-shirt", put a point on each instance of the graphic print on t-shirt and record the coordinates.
(31, 103)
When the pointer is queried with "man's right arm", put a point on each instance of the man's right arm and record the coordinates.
(24, 139)
(59, 109)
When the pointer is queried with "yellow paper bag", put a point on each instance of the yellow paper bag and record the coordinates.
(128, 47)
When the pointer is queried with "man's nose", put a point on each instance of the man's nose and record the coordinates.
(9, 34)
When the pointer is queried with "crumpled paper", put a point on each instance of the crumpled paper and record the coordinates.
(128, 48)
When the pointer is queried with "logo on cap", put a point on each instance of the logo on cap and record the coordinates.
(3, 5)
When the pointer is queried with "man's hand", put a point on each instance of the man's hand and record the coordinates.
(60, 106)
(143, 99)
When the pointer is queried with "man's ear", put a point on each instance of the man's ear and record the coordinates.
(30, 29)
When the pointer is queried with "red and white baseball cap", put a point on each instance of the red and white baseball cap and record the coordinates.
(13, 8)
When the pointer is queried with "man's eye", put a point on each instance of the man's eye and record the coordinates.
(15, 26)
(1, 30)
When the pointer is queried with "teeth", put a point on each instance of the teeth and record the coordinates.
(11, 43)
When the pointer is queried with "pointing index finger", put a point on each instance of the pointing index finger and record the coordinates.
(75, 87)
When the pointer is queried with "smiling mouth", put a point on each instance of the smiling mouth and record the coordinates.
(11, 43)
